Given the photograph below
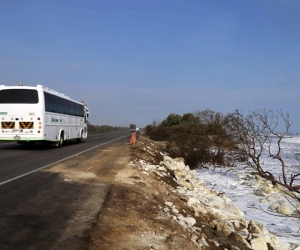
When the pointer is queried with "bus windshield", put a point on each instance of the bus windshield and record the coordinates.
(25, 96)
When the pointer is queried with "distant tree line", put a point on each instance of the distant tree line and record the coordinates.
(211, 138)
(97, 129)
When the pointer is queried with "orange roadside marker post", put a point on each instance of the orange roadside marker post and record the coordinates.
(133, 138)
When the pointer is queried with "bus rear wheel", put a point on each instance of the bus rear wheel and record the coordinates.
(78, 140)
(61, 140)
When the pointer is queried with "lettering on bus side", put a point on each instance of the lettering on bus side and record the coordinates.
(56, 120)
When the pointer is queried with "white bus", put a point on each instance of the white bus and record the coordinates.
(40, 114)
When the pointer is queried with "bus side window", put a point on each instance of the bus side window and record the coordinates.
(61, 102)
(69, 107)
(72, 108)
(48, 102)
(47, 106)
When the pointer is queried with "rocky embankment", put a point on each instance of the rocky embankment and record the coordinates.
(164, 205)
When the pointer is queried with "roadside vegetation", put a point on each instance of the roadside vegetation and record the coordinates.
(209, 138)
(98, 129)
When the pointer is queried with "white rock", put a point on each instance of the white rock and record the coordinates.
(192, 201)
(234, 210)
(182, 224)
(175, 211)
(166, 210)
(202, 242)
(199, 211)
(204, 201)
(161, 168)
(276, 243)
(267, 189)
(259, 244)
(285, 209)
(190, 221)
(169, 203)
(216, 202)
(215, 213)
(185, 183)
(224, 227)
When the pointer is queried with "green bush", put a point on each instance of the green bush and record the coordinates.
(199, 138)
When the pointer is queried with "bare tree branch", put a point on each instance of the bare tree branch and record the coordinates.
(257, 133)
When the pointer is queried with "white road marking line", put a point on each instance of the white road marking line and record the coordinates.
(22, 175)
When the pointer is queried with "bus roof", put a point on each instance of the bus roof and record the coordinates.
(44, 88)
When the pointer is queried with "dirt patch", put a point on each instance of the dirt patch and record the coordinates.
(95, 167)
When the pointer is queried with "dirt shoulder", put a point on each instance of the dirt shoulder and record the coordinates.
(134, 213)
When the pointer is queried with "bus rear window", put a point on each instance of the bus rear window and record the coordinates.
(26, 96)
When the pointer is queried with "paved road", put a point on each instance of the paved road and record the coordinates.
(41, 210)
(16, 161)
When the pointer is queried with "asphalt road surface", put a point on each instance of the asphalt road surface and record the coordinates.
(40, 210)
(16, 161)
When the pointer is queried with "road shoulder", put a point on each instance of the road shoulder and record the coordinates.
(134, 214)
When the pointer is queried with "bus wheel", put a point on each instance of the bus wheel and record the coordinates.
(80, 138)
(61, 140)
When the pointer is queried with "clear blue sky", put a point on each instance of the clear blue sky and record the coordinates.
(138, 60)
